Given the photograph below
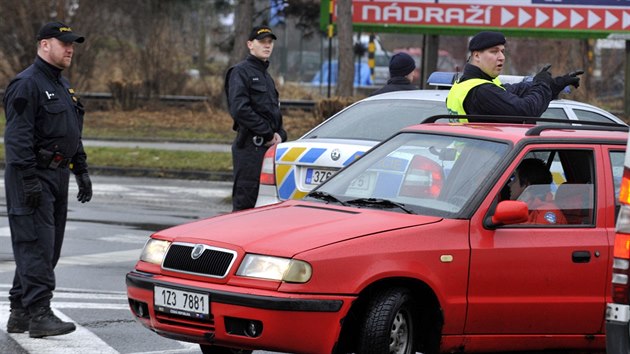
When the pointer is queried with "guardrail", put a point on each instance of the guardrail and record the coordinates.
(306, 105)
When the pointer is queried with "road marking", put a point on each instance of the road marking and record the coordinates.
(79, 341)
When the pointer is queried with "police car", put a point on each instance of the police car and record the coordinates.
(292, 169)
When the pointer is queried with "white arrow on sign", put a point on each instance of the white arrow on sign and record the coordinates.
(593, 19)
(611, 19)
(523, 17)
(576, 18)
(558, 18)
(506, 16)
(541, 17)
(626, 20)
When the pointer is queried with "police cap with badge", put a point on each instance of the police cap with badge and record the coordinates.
(60, 31)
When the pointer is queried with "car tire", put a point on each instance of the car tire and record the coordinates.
(214, 349)
(389, 323)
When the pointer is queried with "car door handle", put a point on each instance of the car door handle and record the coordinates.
(581, 256)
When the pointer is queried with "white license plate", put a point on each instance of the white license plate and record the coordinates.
(184, 303)
(316, 176)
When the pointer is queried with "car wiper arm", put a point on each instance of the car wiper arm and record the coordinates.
(385, 203)
(326, 197)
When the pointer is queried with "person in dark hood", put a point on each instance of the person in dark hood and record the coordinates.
(401, 72)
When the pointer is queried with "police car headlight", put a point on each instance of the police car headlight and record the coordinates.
(154, 251)
(275, 268)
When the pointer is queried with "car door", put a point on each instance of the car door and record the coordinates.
(542, 279)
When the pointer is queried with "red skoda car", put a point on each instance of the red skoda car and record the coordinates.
(421, 245)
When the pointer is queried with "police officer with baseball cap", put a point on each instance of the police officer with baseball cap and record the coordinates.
(44, 121)
(480, 92)
(254, 104)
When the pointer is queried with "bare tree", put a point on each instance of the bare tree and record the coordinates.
(243, 15)
(344, 31)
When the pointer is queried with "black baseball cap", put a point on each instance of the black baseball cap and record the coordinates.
(260, 32)
(60, 31)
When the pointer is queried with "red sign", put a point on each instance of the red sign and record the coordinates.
(607, 19)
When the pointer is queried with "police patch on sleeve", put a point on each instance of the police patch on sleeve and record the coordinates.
(550, 216)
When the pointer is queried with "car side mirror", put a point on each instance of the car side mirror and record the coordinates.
(508, 212)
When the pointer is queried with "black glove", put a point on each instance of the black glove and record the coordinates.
(32, 190)
(560, 82)
(544, 75)
(85, 187)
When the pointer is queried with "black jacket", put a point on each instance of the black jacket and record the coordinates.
(253, 100)
(529, 99)
(42, 112)
(397, 83)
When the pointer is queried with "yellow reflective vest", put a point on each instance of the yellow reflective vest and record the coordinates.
(459, 91)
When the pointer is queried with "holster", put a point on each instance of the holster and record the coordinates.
(51, 160)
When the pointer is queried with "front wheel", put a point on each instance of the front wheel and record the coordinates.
(389, 323)
(214, 349)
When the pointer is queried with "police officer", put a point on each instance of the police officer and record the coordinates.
(44, 120)
(480, 92)
(254, 104)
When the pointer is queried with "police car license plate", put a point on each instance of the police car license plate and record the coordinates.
(184, 303)
(317, 176)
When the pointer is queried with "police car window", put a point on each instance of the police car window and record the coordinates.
(556, 113)
(377, 120)
(591, 116)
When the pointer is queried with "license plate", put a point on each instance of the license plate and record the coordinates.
(180, 302)
(315, 176)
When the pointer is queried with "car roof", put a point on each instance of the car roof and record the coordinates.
(519, 132)
(440, 95)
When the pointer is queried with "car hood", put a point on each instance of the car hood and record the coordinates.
(292, 227)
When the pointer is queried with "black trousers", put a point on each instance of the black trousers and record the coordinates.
(36, 235)
(247, 163)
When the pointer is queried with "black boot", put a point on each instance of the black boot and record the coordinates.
(19, 320)
(44, 323)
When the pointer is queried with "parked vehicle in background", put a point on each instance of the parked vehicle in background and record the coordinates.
(292, 169)
(618, 310)
(415, 247)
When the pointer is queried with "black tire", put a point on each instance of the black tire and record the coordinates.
(389, 323)
(214, 349)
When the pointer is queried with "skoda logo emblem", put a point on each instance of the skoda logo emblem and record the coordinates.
(197, 251)
(335, 154)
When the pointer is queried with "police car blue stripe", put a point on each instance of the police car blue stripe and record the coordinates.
(280, 152)
(288, 186)
(312, 155)
(354, 156)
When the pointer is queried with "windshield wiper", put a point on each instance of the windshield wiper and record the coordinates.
(385, 203)
(325, 197)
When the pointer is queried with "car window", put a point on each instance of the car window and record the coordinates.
(567, 200)
(591, 116)
(377, 120)
(617, 163)
(555, 112)
(429, 174)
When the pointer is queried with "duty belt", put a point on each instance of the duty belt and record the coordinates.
(51, 160)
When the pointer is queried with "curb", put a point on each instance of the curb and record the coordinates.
(219, 176)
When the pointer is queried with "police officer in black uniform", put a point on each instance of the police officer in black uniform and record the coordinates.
(254, 104)
(44, 121)
(401, 74)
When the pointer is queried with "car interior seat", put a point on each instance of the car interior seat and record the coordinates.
(576, 202)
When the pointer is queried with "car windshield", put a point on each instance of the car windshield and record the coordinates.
(377, 119)
(416, 173)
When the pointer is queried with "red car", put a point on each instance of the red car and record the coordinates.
(416, 247)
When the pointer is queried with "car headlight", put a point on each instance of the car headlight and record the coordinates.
(154, 251)
(275, 268)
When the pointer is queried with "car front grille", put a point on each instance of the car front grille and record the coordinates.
(206, 260)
